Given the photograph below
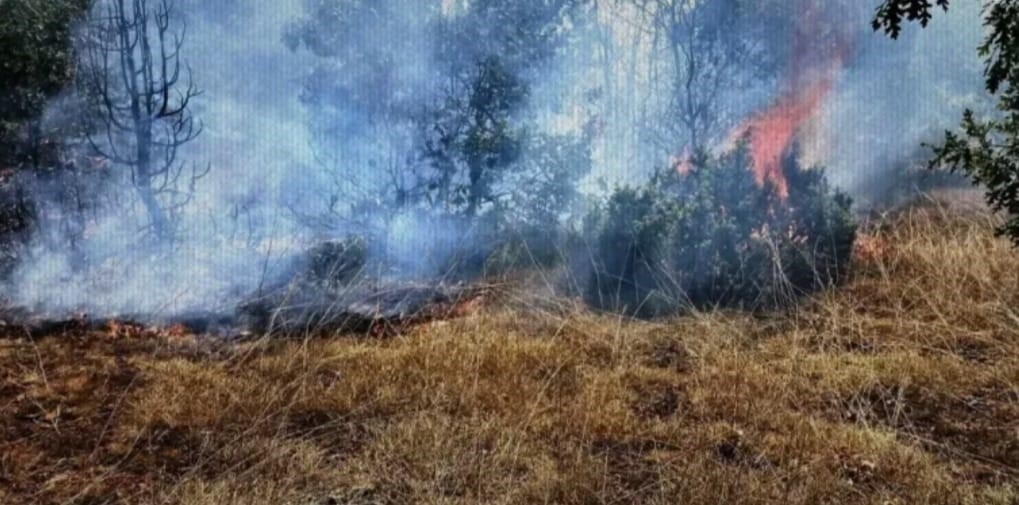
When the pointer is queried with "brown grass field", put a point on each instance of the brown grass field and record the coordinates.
(900, 387)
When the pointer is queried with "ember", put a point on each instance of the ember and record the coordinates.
(683, 164)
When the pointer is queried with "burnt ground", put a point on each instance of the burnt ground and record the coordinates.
(901, 387)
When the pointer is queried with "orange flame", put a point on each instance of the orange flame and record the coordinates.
(682, 164)
(819, 49)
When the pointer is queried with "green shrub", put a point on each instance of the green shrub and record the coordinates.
(714, 237)
(631, 242)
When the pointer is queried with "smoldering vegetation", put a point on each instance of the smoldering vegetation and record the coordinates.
(898, 387)
(563, 251)
(645, 157)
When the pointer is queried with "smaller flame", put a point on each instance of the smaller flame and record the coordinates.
(682, 164)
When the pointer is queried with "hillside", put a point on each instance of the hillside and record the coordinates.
(900, 387)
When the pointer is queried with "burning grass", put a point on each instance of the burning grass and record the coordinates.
(900, 387)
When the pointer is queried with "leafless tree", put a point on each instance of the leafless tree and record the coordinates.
(141, 91)
(701, 54)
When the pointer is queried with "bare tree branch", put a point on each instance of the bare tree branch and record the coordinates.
(132, 74)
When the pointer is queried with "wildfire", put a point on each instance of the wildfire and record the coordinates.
(772, 133)
(819, 49)
(682, 164)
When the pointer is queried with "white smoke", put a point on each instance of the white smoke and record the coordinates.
(237, 228)
(267, 178)
(895, 95)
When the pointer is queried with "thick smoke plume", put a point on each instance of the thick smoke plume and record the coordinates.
(855, 102)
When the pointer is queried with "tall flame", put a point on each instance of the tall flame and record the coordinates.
(817, 55)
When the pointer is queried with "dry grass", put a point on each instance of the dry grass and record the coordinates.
(900, 387)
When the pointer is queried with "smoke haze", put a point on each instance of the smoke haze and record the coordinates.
(277, 182)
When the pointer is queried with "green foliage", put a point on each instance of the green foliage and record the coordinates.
(891, 14)
(527, 249)
(713, 237)
(630, 241)
(541, 188)
(458, 91)
(476, 139)
(36, 63)
(987, 148)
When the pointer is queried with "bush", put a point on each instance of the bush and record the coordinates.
(714, 237)
(531, 248)
(336, 263)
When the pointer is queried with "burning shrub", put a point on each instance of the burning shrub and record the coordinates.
(336, 262)
(710, 235)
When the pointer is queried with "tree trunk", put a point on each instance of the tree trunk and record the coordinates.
(157, 218)
(475, 192)
(143, 181)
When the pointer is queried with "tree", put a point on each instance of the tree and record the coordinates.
(473, 138)
(490, 51)
(891, 13)
(133, 75)
(36, 63)
(710, 53)
(449, 94)
(987, 148)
